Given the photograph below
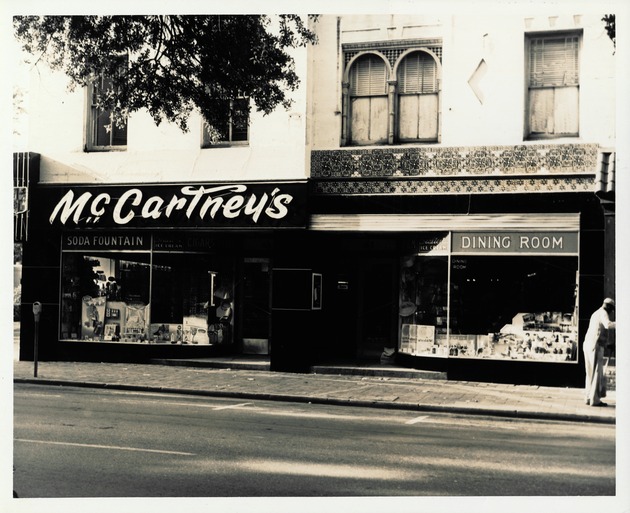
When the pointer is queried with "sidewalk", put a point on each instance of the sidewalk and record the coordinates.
(378, 388)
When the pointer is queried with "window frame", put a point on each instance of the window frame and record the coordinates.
(206, 143)
(358, 91)
(392, 54)
(530, 38)
(400, 93)
(92, 114)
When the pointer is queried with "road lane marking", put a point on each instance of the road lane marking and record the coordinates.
(176, 403)
(417, 419)
(96, 446)
(216, 408)
(347, 471)
(33, 394)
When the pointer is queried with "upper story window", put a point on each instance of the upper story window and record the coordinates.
(232, 127)
(368, 101)
(104, 133)
(418, 102)
(553, 86)
(391, 93)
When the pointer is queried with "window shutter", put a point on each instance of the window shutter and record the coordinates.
(417, 74)
(554, 86)
(410, 74)
(554, 61)
(368, 76)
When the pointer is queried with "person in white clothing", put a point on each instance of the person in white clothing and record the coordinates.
(594, 344)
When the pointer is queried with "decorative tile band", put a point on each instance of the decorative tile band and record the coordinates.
(474, 186)
(454, 161)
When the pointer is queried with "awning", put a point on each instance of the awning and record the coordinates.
(443, 222)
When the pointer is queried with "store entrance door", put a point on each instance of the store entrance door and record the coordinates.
(339, 330)
(378, 307)
(256, 309)
(361, 311)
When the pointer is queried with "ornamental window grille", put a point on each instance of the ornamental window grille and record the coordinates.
(392, 94)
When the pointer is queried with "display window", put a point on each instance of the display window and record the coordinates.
(192, 300)
(506, 296)
(105, 296)
(514, 307)
(163, 290)
(424, 305)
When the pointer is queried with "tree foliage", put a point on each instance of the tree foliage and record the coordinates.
(609, 20)
(173, 64)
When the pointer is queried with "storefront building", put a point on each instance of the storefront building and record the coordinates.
(442, 214)
(144, 241)
(460, 198)
(169, 270)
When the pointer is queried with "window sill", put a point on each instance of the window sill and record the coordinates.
(244, 144)
(571, 137)
(105, 149)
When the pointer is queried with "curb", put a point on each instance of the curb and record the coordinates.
(517, 414)
(211, 364)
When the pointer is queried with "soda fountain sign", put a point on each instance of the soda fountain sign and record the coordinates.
(199, 205)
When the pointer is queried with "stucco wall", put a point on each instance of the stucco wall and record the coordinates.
(496, 116)
(56, 124)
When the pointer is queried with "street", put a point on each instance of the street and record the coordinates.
(81, 442)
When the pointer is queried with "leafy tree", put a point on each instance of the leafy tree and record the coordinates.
(174, 64)
(609, 20)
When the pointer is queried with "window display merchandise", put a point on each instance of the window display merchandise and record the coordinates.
(162, 295)
(105, 297)
(494, 306)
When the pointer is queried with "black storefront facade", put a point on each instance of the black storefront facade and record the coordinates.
(481, 262)
(134, 272)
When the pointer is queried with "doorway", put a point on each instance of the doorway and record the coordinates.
(360, 310)
(256, 306)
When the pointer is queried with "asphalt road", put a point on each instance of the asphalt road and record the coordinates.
(74, 442)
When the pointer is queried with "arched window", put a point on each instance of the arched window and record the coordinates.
(368, 100)
(418, 102)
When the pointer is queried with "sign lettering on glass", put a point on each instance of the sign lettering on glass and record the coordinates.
(515, 242)
(105, 241)
(437, 245)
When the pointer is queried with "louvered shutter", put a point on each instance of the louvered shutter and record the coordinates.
(418, 98)
(368, 77)
(410, 75)
(368, 102)
(417, 74)
(554, 61)
(554, 86)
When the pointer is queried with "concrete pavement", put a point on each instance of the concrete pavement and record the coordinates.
(382, 387)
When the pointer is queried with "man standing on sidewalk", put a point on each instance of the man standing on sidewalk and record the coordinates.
(594, 343)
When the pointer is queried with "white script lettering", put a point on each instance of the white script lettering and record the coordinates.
(194, 202)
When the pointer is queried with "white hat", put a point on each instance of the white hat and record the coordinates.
(609, 301)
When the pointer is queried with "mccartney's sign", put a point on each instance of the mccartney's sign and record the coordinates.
(245, 205)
